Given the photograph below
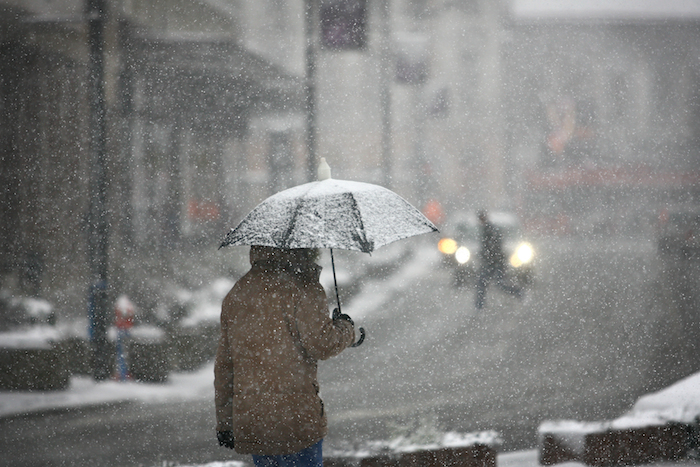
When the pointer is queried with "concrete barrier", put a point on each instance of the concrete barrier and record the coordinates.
(33, 369)
(670, 442)
(149, 362)
(380, 461)
(605, 446)
(148, 354)
(470, 456)
(554, 451)
(192, 347)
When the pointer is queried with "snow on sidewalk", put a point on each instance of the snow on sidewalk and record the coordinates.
(678, 403)
(84, 391)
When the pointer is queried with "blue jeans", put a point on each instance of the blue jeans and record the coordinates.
(309, 457)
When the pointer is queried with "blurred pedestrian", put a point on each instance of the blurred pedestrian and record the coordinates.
(274, 329)
(433, 212)
(124, 311)
(492, 261)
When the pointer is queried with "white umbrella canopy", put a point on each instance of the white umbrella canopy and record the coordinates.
(331, 214)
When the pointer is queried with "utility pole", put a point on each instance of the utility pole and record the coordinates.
(311, 19)
(98, 225)
(493, 130)
(385, 90)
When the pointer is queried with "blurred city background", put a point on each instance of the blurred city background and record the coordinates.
(135, 134)
(581, 117)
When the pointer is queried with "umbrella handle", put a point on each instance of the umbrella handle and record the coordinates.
(337, 297)
(361, 340)
(335, 281)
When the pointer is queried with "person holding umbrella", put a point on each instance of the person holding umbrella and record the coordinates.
(275, 327)
(274, 322)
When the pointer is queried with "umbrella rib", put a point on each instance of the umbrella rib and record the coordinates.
(366, 244)
(292, 223)
(297, 210)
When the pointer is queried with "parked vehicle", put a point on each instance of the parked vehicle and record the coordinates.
(679, 232)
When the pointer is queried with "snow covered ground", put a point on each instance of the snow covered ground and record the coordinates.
(85, 391)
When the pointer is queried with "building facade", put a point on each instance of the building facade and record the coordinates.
(473, 103)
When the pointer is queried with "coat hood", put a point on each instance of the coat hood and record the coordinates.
(298, 261)
(268, 254)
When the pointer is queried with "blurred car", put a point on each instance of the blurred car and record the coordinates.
(461, 242)
(24, 312)
(679, 232)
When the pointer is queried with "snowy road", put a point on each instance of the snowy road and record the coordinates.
(595, 333)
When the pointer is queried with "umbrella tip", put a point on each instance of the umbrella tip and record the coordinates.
(324, 170)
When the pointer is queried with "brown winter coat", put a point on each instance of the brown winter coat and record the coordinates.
(274, 328)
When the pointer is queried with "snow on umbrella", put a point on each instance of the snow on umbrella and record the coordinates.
(331, 214)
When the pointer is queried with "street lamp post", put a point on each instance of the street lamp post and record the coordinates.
(98, 226)
(385, 91)
(310, 35)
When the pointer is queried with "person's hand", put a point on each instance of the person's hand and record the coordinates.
(338, 315)
(225, 438)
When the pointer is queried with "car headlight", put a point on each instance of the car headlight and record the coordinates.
(447, 246)
(462, 254)
(523, 255)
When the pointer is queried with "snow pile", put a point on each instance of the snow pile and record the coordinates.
(425, 437)
(37, 308)
(143, 334)
(204, 305)
(84, 391)
(34, 337)
(27, 323)
(450, 439)
(677, 403)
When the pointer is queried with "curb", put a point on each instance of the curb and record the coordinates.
(478, 455)
(670, 442)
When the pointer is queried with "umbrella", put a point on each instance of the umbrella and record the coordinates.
(330, 213)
